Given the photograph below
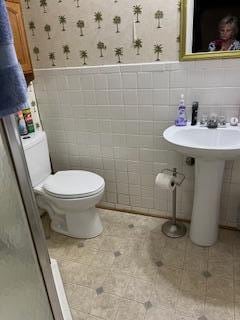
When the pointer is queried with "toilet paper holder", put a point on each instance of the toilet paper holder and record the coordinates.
(175, 173)
(172, 228)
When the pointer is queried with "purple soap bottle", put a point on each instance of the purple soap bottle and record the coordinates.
(182, 116)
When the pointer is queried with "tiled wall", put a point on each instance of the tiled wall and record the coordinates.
(110, 120)
(66, 42)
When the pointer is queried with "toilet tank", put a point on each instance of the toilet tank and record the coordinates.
(37, 156)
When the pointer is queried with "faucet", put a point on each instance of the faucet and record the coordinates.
(212, 122)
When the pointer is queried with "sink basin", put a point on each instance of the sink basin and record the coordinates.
(196, 141)
(210, 148)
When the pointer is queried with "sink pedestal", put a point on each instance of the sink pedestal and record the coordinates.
(206, 204)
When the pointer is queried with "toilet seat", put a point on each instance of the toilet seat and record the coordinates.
(72, 184)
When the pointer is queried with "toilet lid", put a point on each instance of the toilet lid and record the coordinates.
(73, 184)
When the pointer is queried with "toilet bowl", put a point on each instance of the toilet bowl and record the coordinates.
(69, 197)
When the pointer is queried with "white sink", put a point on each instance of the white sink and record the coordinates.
(210, 147)
(196, 141)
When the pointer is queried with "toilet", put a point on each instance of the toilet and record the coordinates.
(68, 196)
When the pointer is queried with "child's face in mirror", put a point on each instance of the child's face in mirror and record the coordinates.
(226, 32)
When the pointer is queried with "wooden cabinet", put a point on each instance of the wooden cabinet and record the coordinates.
(20, 39)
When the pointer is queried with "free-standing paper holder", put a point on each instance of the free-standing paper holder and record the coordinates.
(172, 228)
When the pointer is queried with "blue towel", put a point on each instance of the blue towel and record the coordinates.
(13, 87)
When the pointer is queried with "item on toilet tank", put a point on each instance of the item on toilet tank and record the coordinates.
(28, 119)
(21, 124)
(234, 121)
(165, 181)
(182, 116)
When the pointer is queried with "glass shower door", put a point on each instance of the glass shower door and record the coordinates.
(23, 291)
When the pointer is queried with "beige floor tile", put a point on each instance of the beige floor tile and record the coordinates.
(178, 243)
(116, 283)
(195, 262)
(158, 313)
(103, 259)
(194, 250)
(124, 263)
(189, 305)
(145, 269)
(221, 252)
(105, 306)
(193, 282)
(80, 254)
(217, 287)
(173, 257)
(78, 315)
(237, 290)
(138, 290)
(216, 309)
(130, 310)
(237, 311)
(224, 270)
(84, 275)
(79, 298)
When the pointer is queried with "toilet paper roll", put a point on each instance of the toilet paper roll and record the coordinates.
(165, 181)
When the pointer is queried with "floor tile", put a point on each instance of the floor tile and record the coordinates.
(158, 313)
(189, 305)
(79, 298)
(138, 290)
(78, 315)
(193, 282)
(130, 310)
(217, 309)
(217, 287)
(116, 283)
(105, 306)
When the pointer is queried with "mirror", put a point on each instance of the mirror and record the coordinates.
(209, 29)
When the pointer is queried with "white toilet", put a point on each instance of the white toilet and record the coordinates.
(69, 196)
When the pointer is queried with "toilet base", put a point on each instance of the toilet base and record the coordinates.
(84, 225)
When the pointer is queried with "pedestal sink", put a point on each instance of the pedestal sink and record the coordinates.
(210, 147)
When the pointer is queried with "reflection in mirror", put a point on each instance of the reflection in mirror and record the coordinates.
(209, 29)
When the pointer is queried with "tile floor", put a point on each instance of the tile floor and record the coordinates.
(133, 272)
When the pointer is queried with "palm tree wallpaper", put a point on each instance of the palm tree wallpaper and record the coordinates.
(66, 51)
(80, 32)
(117, 21)
(47, 28)
(101, 46)
(62, 20)
(32, 27)
(98, 18)
(81, 25)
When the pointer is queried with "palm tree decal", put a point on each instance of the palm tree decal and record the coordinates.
(43, 3)
(137, 10)
(138, 45)
(84, 56)
(27, 2)
(98, 18)
(63, 21)
(66, 50)
(52, 57)
(36, 51)
(47, 28)
(158, 49)
(101, 46)
(118, 53)
(158, 15)
(81, 25)
(77, 1)
(32, 27)
(117, 21)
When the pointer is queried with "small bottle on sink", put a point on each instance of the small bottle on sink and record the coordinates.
(182, 116)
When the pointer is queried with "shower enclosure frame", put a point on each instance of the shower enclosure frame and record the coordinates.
(32, 214)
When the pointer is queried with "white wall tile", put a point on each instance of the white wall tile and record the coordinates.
(111, 122)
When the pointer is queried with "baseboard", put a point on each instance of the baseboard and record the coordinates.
(60, 291)
(161, 216)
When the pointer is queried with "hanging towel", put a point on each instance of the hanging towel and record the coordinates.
(13, 87)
